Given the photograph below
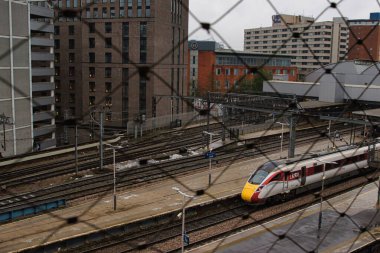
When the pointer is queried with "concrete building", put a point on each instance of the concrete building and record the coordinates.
(336, 83)
(311, 44)
(26, 77)
(103, 53)
(212, 68)
(364, 42)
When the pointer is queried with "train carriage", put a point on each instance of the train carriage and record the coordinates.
(283, 179)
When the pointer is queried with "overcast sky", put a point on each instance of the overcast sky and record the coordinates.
(258, 13)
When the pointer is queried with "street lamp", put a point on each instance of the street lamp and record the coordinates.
(282, 133)
(114, 172)
(322, 188)
(209, 150)
(184, 195)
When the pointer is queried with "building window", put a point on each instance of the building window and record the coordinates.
(125, 43)
(91, 27)
(57, 97)
(112, 12)
(227, 85)
(91, 42)
(71, 71)
(104, 12)
(57, 71)
(147, 8)
(71, 30)
(71, 44)
(91, 86)
(108, 42)
(108, 57)
(193, 59)
(107, 72)
(91, 71)
(88, 13)
(108, 87)
(71, 57)
(75, 3)
(104, 1)
(57, 57)
(121, 3)
(108, 27)
(108, 101)
(121, 12)
(228, 72)
(91, 100)
(71, 84)
(91, 57)
(57, 44)
(139, 8)
(95, 13)
(193, 71)
(72, 98)
(124, 94)
(218, 71)
(108, 116)
(56, 30)
(142, 96)
(143, 42)
(68, 3)
(236, 72)
(130, 8)
(57, 84)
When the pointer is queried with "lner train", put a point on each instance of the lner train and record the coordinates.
(279, 180)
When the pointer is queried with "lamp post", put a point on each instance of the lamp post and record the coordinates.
(282, 133)
(184, 195)
(209, 150)
(114, 172)
(322, 188)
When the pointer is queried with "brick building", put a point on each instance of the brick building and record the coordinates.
(212, 68)
(103, 53)
(367, 32)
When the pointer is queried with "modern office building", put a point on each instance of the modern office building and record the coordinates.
(26, 77)
(118, 55)
(311, 44)
(364, 42)
(212, 68)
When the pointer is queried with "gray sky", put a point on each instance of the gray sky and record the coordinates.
(258, 13)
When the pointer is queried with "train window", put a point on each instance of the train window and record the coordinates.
(318, 169)
(330, 166)
(276, 178)
(258, 177)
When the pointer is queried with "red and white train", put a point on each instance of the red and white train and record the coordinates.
(279, 180)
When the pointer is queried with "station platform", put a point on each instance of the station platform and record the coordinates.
(298, 231)
(132, 205)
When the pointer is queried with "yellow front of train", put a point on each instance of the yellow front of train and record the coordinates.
(256, 182)
(249, 193)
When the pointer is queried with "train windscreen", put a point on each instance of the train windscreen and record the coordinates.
(262, 172)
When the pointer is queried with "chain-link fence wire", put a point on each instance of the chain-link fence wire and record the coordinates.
(146, 71)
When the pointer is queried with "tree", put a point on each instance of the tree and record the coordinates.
(255, 84)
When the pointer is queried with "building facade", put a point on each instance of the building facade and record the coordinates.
(212, 68)
(26, 77)
(364, 42)
(310, 44)
(118, 55)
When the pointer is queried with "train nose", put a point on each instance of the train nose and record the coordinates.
(248, 191)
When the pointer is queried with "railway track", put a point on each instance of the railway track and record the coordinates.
(160, 145)
(214, 221)
(103, 183)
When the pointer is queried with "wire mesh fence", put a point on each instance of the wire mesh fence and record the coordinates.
(193, 115)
